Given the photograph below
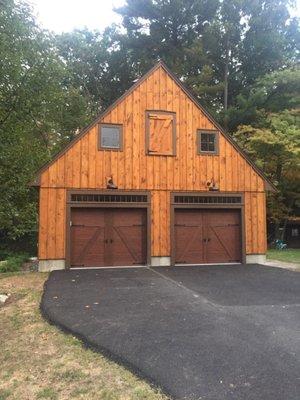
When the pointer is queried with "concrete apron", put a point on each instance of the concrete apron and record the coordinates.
(52, 265)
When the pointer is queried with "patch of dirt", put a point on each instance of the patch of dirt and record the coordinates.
(22, 281)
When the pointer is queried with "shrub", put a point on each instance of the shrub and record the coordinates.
(13, 263)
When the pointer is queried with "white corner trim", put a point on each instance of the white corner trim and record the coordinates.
(160, 261)
(51, 265)
(255, 259)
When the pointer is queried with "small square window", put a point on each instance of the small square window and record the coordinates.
(110, 137)
(207, 142)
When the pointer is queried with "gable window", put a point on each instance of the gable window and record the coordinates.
(207, 142)
(161, 133)
(110, 137)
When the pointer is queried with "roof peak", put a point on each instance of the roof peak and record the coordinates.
(158, 64)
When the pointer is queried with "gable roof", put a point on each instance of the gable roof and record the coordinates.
(268, 184)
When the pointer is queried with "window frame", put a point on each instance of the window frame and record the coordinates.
(147, 125)
(207, 152)
(108, 125)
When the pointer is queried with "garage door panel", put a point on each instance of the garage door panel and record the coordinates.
(128, 217)
(129, 237)
(223, 244)
(189, 244)
(87, 245)
(128, 248)
(188, 217)
(189, 237)
(207, 236)
(108, 237)
(221, 218)
(224, 236)
(88, 217)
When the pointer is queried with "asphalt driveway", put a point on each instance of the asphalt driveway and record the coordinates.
(209, 332)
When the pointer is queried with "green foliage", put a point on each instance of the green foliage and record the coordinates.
(39, 111)
(171, 31)
(13, 263)
(275, 146)
(271, 39)
(274, 92)
(93, 63)
(215, 46)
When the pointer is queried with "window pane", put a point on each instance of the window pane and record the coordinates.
(208, 142)
(204, 137)
(212, 138)
(204, 146)
(211, 147)
(110, 137)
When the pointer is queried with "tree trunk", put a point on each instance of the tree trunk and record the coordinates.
(226, 74)
(283, 229)
(277, 234)
(278, 172)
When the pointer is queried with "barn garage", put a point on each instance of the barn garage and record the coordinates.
(154, 180)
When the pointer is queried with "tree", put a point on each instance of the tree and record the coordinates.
(270, 132)
(171, 31)
(165, 29)
(274, 92)
(219, 48)
(100, 72)
(276, 149)
(38, 112)
(271, 40)
(222, 41)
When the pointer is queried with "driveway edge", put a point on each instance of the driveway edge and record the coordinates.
(100, 349)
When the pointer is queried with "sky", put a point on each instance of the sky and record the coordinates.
(66, 15)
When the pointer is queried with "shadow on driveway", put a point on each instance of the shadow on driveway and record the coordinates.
(208, 332)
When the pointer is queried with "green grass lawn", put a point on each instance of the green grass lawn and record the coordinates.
(288, 255)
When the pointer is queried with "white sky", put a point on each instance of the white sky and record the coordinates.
(65, 15)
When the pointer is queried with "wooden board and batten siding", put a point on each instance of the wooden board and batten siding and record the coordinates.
(84, 166)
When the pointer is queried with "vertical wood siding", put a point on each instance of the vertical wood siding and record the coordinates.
(83, 166)
(52, 223)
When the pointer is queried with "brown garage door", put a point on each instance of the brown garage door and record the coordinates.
(207, 236)
(108, 237)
